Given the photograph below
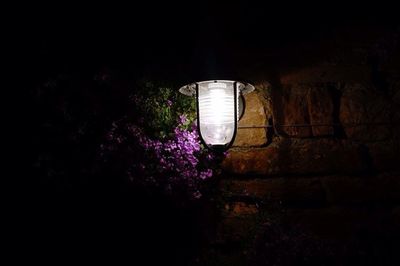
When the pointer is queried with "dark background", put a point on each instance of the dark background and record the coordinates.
(168, 39)
(81, 210)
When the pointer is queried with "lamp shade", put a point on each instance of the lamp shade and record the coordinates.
(217, 110)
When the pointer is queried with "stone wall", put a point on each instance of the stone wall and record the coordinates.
(357, 126)
(333, 179)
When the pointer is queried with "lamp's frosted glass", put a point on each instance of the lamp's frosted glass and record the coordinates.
(217, 111)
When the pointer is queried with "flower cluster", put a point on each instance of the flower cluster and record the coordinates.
(178, 161)
(159, 147)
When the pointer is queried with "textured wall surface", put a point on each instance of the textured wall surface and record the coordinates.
(334, 180)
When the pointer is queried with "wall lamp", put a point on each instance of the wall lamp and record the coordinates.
(219, 107)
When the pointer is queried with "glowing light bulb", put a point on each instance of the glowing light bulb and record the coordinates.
(217, 111)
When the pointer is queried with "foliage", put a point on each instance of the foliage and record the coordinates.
(158, 109)
(160, 143)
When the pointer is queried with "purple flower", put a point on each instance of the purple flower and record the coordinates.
(206, 174)
(183, 119)
(197, 194)
(175, 161)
